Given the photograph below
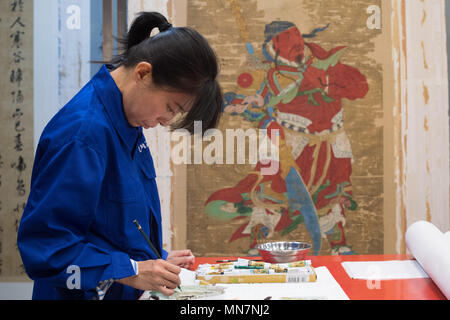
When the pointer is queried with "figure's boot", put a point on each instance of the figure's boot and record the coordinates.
(337, 241)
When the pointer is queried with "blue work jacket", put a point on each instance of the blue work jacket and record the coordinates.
(93, 175)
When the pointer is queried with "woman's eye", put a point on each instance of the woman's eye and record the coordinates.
(170, 109)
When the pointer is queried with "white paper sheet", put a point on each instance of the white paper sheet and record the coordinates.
(447, 236)
(325, 288)
(431, 249)
(384, 270)
(187, 277)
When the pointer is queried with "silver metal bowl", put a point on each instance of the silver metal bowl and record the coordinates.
(283, 251)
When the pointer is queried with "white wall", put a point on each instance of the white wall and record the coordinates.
(16, 290)
(421, 115)
(61, 56)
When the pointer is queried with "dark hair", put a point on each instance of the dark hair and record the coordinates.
(182, 60)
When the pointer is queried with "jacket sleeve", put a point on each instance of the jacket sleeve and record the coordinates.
(61, 207)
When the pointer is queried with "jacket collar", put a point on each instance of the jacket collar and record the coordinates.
(111, 98)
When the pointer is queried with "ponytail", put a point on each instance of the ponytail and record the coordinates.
(143, 25)
(140, 31)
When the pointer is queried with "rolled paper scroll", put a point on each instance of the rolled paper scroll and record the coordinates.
(431, 248)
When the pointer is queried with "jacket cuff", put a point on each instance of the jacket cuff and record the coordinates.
(164, 254)
(122, 267)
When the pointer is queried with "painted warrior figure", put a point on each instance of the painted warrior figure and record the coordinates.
(301, 97)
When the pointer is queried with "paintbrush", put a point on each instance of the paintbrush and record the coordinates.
(149, 242)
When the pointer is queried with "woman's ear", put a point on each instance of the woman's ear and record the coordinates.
(142, 73)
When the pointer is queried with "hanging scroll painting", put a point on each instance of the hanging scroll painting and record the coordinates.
(310, 73)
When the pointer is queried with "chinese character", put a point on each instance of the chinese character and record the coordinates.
(17, 21)
(18, 141)
(17, 127)
(20, 187)
(19, 208)
(16, 76)
(16, 39)
(17, 57)
(18, 113)
(20, 165)
(17, 97)
(17, 5)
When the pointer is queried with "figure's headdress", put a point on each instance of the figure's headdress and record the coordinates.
(273, 48)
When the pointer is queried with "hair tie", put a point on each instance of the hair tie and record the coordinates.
(165, 26)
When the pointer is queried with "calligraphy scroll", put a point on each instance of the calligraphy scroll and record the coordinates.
(16, 127)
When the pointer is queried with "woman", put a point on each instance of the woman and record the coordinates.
(93, 174)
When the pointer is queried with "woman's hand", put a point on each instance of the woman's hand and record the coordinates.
(181, 258)
(155, 275)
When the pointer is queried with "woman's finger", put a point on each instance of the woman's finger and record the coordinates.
(165, 291)
(181, 253)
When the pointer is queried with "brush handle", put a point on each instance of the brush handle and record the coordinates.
(149, 242)
(147, 239)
